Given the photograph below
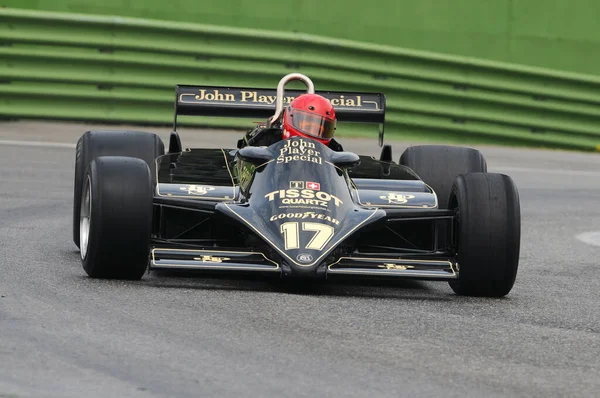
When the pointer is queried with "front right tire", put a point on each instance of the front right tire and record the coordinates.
(115, 219)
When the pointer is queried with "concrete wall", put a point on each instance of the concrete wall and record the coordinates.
(556, 34)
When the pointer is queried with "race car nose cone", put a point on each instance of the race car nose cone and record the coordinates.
(316, 271)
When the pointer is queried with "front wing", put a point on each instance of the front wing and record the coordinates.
(435, 263)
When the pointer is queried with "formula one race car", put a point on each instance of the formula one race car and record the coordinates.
(295, 208)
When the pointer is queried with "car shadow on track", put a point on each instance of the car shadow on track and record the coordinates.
(369, 288)
(404, 289)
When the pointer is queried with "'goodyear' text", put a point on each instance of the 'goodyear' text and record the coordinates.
(311, 215)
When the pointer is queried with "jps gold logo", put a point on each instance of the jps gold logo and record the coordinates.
(198, 190)
(395, 266)
(396, 198)
(211, 259)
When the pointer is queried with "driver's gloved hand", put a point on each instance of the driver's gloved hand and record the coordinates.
(335, 146)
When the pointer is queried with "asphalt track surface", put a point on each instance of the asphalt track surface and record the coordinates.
(63, 334)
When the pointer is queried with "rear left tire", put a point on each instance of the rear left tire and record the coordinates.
(439, 165)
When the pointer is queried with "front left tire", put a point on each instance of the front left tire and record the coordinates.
(488, 234)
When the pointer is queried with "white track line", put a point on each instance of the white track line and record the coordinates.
(47, 144)
(591, 238)
(38, 144)
(545, 171)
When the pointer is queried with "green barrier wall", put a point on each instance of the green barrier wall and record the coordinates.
(82, 67)
(556, 34)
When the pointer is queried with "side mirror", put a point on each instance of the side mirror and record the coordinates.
(386, 153)
(255, 155)
(386, 159)
(345, 160)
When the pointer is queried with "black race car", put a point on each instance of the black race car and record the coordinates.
(295, 208)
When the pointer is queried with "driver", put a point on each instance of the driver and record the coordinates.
(308, 115)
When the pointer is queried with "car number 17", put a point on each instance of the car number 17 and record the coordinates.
(291, 235)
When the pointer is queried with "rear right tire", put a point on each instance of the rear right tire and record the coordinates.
(92, 144)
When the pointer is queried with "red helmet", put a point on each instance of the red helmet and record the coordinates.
(310, 116)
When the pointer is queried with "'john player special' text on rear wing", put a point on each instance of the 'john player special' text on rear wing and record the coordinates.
(260, 103)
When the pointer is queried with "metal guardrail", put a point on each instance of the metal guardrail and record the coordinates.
(113, 69)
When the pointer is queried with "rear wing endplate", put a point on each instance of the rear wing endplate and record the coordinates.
(260, 103)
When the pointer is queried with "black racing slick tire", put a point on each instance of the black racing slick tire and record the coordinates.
(92, 144)
(116, 218)
(439, 165)
(487, 234)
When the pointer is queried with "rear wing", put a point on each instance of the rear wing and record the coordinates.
(261, 103)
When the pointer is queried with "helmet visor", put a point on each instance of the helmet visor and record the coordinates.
(313, 125)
